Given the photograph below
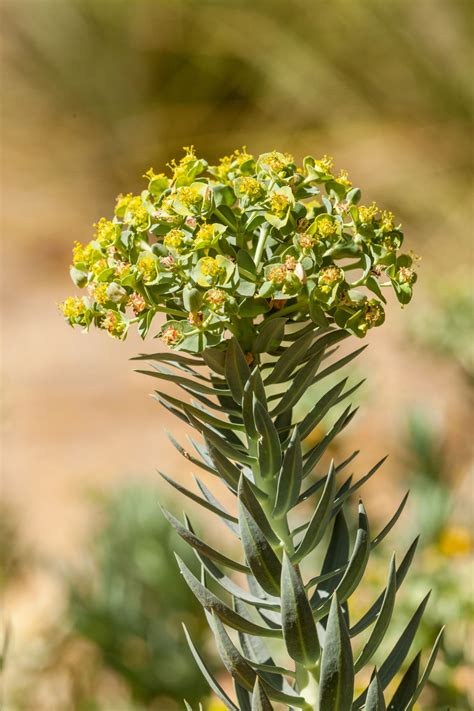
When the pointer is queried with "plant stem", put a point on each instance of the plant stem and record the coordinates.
(308, 685)
(261, 243)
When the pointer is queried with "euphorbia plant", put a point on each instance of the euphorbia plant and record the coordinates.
(262, 268)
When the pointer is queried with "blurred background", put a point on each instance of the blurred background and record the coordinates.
(96, 91)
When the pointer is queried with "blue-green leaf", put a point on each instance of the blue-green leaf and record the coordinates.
(375, 700)
(259, 554)
(214, 685)
(337, 671)
(299, 629)
(289, 479)
(237, 371)
(319, 519)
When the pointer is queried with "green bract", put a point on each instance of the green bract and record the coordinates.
(220, 248)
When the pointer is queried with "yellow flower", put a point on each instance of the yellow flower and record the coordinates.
(278, 204)
(325, 163)
(189, 196)
(205, 233)
(326, 227)
(277, 161)
(73, 307)
(105, 231)
(387, 221)
(330, 275)
(343, 179)
(100, 293)
(455, 541)
(210, 266)
(250, 187)
(173, 239)
(368, 215)
(146, 267)
(81, 254)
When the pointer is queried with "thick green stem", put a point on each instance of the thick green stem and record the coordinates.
(261, 243)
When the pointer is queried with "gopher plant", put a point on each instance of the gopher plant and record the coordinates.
(262, 269)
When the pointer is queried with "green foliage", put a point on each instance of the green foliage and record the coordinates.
(315, 652)
(217, 247)
(131, 608)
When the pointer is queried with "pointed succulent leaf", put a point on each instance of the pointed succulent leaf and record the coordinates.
(371, 614)
(428, 669)
(228, 471)
(299, 629)
(243, 697)
(336, 557)
(338, 364)
(315, 454)
(235, 590)
(233, 661)
(337, 672)
(322, 481)
(382, 622)
(289, 479)
(298, 387)
(269, 448)
(386, 530)
(259, 554)
(237, 370)
(347, 494)
(247, 496)
(215, 360)
(375, 700)
(194, 497)
(213, 683)
(220, 443)
(320, 410)
(189, 385)
(187, 455)
(358, 560)
(290, 359)
(201, 546)
(407, 686)
(230, 521)
(260, 700)
(270, 335)
(212, 603)
(319, 519)
(398, 654)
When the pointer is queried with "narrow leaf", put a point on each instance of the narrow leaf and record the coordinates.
(407, 686)
(269, 448)
(213, 684)
(319, 520)
(290, 359)
(289, 479)
(259, 554)
(260, 700)
(383, 620)
(375, 700)
(237, 371)
(320, 410)
(337, 672)
(201, 546)
(428, 669)
(299, 629)
(212, 603)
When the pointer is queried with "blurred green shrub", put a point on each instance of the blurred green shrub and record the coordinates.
(446, 324)
(132, 605)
